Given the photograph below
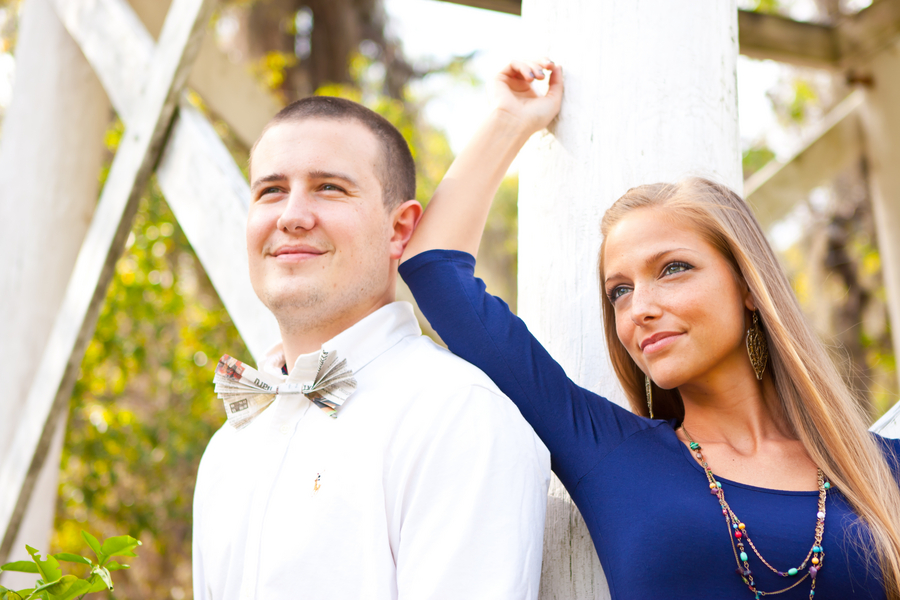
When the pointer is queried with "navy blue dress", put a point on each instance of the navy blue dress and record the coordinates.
(658, 531)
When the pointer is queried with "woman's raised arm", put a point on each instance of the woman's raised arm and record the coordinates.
(455, 217)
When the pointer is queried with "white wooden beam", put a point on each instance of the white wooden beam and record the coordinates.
(778, 187)
(889, 424)
(205, 189)
(227, 88)
(765, 36)
(137, 155)
(881, 124)
(41, 142)
(681, 116)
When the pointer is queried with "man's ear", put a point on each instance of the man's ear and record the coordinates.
(404, 219)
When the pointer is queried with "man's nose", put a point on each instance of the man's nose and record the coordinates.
(299, 212)
(644, 304)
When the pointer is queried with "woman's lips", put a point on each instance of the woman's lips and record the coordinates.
(659, 341)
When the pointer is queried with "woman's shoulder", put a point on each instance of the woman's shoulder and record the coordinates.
(891, 449)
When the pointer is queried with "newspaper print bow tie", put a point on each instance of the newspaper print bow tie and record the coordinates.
(246, 392)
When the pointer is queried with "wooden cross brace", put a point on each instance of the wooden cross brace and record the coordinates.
(204, 187)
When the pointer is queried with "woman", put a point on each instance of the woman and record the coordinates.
(745, 437)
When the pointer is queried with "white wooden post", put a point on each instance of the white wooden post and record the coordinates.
(881, 124)
(138, 153)
(50, 155)
(650, 96)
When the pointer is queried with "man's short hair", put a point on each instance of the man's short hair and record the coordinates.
(397, 171)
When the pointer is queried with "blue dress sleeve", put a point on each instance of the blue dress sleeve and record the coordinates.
(579, 427)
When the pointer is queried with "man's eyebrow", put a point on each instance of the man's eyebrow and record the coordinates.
(650, 260)
(268, 179)
(333, 175)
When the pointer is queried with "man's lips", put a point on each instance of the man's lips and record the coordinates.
(658, 341)
(295, 253)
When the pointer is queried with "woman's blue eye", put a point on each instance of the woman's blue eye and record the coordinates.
(616, 293)
(676, 267)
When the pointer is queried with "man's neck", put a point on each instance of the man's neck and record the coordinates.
(304, 336)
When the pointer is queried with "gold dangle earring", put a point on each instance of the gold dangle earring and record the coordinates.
(757, 347)
(649, 391)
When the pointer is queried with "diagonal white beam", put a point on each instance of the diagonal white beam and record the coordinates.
(778, 187)
(889, 424)
(137, 155)
(203, 186)
(227, 88)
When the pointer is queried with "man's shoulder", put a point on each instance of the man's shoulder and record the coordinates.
(433, 367)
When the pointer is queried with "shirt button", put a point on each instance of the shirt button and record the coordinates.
(285, 429)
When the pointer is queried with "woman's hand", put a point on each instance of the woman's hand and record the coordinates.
(455, 217)
(514, 94)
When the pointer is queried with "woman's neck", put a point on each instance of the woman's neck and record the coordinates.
(739, 411)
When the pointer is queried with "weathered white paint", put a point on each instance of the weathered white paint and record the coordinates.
(776, 189)
(48, 189)
(889, 423)
(74, 324)
(881, 121)
(227, 88)
(650, 96)
(210, 199)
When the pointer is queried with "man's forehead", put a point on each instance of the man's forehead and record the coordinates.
(346, 142)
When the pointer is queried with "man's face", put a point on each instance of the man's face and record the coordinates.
(318, 234)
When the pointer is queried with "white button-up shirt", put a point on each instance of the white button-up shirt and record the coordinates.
(428, 484)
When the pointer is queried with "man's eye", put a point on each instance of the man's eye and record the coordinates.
(330, 187)
(676, 267)
(269, 190)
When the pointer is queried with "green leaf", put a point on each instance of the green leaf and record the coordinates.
(20, 566)
(105, 576)
(121, 545)
(68, 557)
(97, 584)
(114, 566)
(11, 595)
(66, 588)
(49, 568)
(93, 543)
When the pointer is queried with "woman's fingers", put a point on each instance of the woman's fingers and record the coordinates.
(519, 69)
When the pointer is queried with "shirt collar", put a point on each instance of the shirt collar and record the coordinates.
(360, 344)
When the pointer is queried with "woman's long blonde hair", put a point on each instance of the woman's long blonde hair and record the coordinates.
(816, 404)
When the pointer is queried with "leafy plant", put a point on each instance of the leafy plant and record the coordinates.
(53, 585)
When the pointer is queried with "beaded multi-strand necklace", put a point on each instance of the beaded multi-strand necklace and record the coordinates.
(738, 534)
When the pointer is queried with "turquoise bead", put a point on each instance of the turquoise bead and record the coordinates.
(827, 486)
(744, 556)
(792, 572)
(718, 485)
(695, 446)
(817, 549)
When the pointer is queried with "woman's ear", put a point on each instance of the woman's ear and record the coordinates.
(404, 219)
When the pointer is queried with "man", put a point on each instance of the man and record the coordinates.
(426, 482)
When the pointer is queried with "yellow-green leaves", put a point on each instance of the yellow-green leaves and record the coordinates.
(53, 585)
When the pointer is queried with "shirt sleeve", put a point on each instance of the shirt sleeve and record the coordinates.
(579, 427)
(470, 491)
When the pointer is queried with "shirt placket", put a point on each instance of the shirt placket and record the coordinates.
(280, 431)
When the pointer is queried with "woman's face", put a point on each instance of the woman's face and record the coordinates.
(680, 310)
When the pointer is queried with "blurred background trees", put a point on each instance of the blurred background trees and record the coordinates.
(143, 408)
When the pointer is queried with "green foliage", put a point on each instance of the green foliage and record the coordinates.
(756, 158)
(765, 6)
(53, 585)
